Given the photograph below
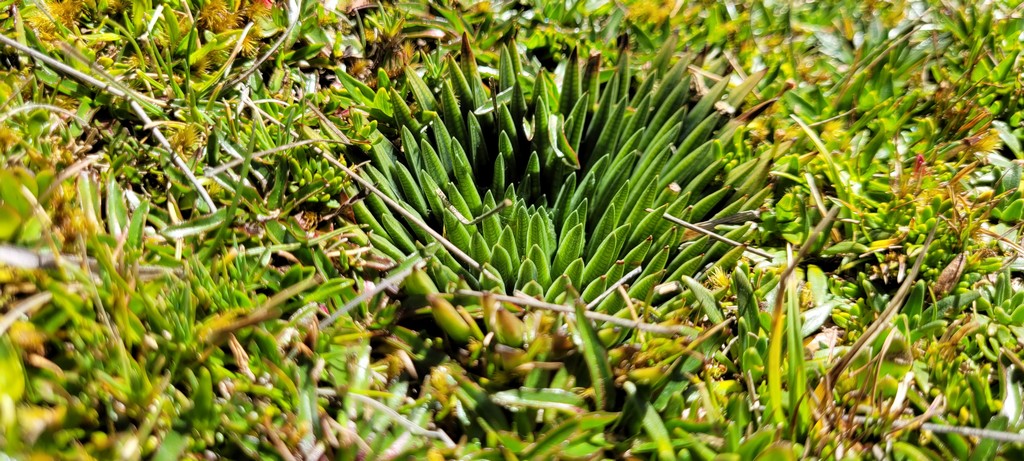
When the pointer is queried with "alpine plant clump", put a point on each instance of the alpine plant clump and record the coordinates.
(555, 190)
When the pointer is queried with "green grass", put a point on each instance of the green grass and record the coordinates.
(295, 230)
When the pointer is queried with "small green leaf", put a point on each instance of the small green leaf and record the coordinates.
(550, 441)
(705, 300)
(196, 226)
(420, 90)
(605, 255)
(10, 222)
(596, 357)
(546, 399)
(570, 248)
(12, 371)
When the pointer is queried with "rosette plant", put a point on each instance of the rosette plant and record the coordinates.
(558, 198)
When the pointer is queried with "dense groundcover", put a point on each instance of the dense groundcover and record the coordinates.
(265, 229)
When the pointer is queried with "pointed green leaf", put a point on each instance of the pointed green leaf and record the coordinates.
(596, 357)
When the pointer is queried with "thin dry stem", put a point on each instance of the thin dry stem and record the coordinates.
(392, 281)
(715, 236)
(611, 289)
(448, 245)
(403, 421)
(293, 20)
(25, 307)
